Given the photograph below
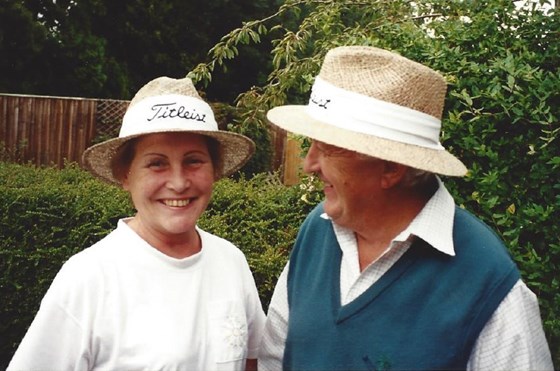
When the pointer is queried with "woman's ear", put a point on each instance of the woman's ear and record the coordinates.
(124, 181)
(392, 174)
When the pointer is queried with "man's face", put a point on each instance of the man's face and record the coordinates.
(351, 182)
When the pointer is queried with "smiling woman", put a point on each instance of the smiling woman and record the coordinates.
(158, 292)
(170, 182)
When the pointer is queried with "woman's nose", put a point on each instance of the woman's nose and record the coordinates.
(178, 179)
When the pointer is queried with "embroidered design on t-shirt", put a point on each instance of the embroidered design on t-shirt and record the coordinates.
(235, 332)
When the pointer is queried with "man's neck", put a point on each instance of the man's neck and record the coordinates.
(376, 232)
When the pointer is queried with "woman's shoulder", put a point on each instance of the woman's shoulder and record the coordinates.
(89, 261)
(218, 245)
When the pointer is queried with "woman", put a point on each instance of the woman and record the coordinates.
(157, 292)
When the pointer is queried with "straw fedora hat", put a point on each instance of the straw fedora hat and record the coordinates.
(169, 105)
(377, 103)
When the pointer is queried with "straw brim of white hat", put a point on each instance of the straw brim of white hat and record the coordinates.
(294, 118)
(190, 114)
(235, 151)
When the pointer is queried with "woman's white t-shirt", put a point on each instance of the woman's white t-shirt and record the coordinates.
(123, 305)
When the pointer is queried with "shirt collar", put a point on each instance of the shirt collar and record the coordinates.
(434, 223)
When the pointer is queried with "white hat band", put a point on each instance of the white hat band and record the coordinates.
(367, 115)
(168, 112)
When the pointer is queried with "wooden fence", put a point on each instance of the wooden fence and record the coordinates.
(286, 155)
(292, 161)
(46, 130)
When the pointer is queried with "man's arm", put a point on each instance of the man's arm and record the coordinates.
(513, 338)
(271, 350)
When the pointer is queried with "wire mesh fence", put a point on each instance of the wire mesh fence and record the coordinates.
(109, 118)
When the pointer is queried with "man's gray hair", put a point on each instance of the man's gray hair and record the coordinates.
(416, 178)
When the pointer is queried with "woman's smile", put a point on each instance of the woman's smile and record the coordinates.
(177, 203)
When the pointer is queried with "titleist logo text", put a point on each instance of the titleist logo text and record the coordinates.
(321, 102)
(170, 110)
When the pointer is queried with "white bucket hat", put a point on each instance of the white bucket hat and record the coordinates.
(169, 105)
(377, 103)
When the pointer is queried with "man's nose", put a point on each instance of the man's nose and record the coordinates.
(311, 163)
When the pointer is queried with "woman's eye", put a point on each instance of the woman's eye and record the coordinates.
(156, 164)
(193, 161)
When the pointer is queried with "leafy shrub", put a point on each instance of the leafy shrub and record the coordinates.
(46, 216)
(503, 116)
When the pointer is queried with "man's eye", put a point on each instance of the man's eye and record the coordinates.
(323, 148)
(329, 150)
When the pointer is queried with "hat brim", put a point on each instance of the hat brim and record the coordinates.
(294, 118)
(236, 150)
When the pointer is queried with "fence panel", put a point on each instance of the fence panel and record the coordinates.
(50, 130)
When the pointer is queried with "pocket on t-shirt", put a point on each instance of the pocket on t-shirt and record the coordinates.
(228, 330)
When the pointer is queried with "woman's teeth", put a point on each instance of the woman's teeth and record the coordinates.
(176, 203)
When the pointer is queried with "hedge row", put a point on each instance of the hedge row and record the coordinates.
(47, 215)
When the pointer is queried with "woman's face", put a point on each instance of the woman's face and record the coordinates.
(170, 181)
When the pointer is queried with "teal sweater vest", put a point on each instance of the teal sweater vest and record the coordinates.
(426, 312)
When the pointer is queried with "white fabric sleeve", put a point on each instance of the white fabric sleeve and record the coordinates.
(55, 339)
(276, 329)
(513, 338)
(255, 319)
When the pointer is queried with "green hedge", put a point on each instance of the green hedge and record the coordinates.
(47, 215)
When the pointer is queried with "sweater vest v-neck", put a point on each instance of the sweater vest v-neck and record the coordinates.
(425, 312)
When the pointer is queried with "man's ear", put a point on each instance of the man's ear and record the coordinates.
(392, 174)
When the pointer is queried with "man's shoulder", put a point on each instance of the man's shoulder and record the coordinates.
(476, 242)
(468, 227)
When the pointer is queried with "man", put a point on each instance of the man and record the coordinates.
(388, 273)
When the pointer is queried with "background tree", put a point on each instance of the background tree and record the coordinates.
(109, 49)
(502, 116)
(22, 41)
(49, 49)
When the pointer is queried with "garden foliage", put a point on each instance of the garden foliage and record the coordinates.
(46, 215)
(109, 49)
